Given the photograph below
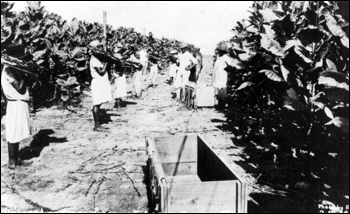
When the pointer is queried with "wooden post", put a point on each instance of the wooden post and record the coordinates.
(105, 28)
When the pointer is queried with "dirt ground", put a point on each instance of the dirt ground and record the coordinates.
(78, 170)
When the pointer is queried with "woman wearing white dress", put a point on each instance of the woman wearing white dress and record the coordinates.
(17, 123)
(100, 87)
(154, 71)
(120, 92)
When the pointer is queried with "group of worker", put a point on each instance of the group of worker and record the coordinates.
(15, 87)
(101, 87)
(180, 67)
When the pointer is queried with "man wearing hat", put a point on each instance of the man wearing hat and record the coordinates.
(220, 76)
(186, 63)
(100, 85)
(15, 88)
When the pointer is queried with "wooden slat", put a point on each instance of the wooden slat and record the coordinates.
(210, 166)
(150, 145)
(184, 179)
(239, 198)
(206, 197)
(183, 168)
(245, 199)
(177, 149)
(234, 189)
(205, 96)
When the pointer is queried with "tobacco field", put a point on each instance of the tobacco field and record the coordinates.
(285, 130)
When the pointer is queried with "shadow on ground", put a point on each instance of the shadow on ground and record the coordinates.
(106, 116)
(278, 152)
(41, 140)
(127, 103)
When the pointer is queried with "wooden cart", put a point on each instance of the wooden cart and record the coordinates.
(199, 96)
(186, 175)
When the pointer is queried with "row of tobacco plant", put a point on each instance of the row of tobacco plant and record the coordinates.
(62, 48)
(290, 94)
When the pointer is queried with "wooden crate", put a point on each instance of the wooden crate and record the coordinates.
(186, 175)
(199, 96)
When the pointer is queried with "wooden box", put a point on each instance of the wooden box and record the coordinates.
(186, 175)
(199, 96)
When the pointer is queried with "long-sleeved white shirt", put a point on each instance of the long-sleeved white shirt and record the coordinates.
(185, 60)
(220, 76)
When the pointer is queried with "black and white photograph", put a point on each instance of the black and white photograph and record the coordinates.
(174, 106)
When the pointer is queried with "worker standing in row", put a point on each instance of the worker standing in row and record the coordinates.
(15, 88)
(220, 75)
(174, 66)
(186, 63)
(100, 85)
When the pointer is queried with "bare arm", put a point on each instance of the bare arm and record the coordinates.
(101, 71)
(18, 81)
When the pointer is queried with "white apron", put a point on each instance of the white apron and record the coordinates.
(120, 90)
(17, 120)
(154, 74)
(100, 85)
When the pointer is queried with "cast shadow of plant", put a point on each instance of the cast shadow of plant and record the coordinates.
(41, 140)
(275, 151)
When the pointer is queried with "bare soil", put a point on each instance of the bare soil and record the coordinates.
(78, 170)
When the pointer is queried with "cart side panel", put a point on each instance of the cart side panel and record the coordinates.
(205, 96)
(210, 166)
(208, 197)
(177, 153)
(181, 168)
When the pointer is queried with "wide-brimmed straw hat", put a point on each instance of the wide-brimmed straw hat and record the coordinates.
(222, 47)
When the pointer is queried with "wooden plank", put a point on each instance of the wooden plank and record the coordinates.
(205, 96)
(182, 168)
(234, 189)
(164, 198)
(158, 168)
(184, 179)
(239, 198)
(210, 166)
(177, 148)
(150, 145)
(205, 197)
(244, 199)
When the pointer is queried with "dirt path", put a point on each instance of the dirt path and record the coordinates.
(77, 170)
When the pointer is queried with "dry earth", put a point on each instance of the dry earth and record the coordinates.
(78, 170)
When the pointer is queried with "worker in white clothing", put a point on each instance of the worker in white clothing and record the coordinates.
(220, 76)
(186, 63)
(144, 61)
(173, 67)
(155, 64)
(15, 86)
(100, 85)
